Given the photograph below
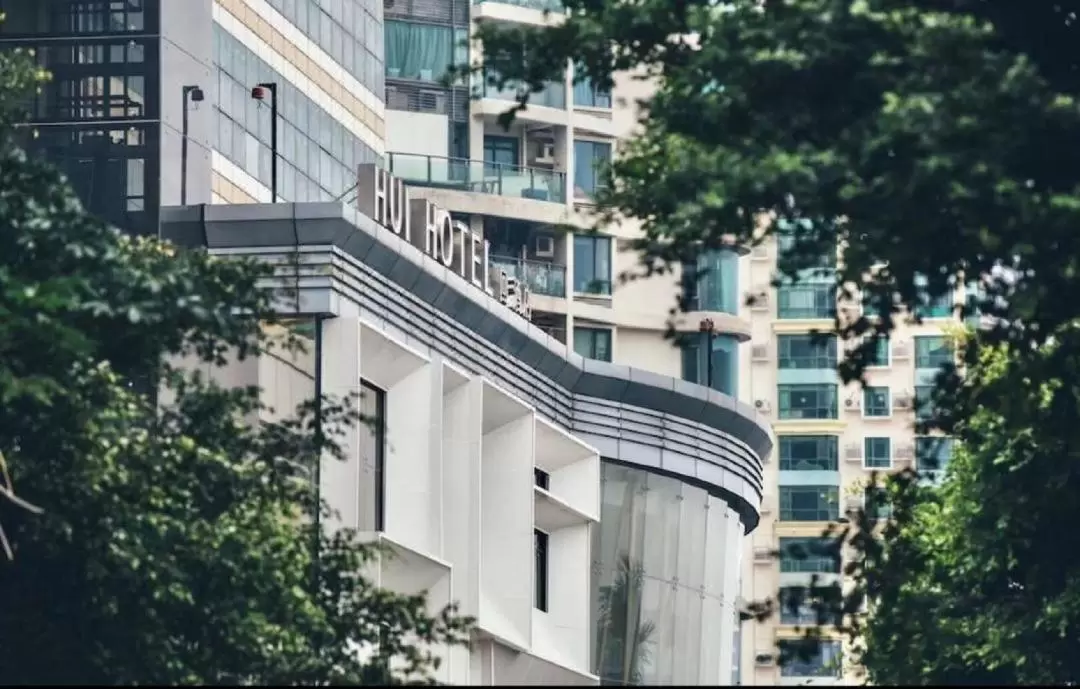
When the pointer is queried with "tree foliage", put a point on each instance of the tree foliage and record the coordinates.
(172, 546)
(931, 141)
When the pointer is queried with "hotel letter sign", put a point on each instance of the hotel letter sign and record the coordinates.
(385, 199)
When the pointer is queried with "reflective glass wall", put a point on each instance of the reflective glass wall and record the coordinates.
(665, 580)
(98, 118)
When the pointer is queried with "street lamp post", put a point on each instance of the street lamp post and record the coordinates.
(191, 94)
(708, 330)
(259, 93)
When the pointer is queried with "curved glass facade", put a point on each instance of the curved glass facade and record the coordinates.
(725, 363)
(666, 562)
(717, 285)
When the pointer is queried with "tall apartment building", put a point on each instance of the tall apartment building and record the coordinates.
(829, 438)
(160, 103)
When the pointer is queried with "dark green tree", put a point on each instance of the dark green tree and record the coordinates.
(165, 543)
(929, 140)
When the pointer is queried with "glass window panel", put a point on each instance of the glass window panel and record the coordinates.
(877, 453)
(814, 554)
(932, 351)
(592, 264)
(806, 351)
(876, 401)
(809, 503)
(417, 51)
(808, 452)
(801, 401)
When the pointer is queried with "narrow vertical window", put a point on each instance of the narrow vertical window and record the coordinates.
(541, 594)
(373, 413)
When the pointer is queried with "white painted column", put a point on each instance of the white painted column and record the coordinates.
(341, 480)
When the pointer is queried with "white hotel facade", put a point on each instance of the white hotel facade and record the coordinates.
(590, 516)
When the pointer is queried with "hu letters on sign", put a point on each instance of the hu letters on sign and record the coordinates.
(385, 199)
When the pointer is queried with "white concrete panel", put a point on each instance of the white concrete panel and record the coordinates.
(507, 550)
(647, 350)
(388, 360)
(562, 633)
(578, 484)
(462, 408)
(413, 495)
(341, 480)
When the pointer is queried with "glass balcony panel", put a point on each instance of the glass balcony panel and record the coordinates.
(515, 181)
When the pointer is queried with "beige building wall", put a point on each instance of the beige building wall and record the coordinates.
(762, 575)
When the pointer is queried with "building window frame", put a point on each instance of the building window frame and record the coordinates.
(806, 301)
(924, 403)
(827, 453)
(877, 402)
(882, 354)
(588, 178)
(827, 508)
(932, 351)
(494, 146)
(592, 265)
(874, 449)
(376, 421)
(930, 447)
(819, 556)
(595, 343)
(542, 570)
(819, 352)
(823, 406)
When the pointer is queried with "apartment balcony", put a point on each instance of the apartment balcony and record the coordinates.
(546, 106)
(547, 279)
(535, 12)
(513, 181)
(541, 5)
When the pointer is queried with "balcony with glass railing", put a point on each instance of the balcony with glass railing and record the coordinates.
(548, 279)
(553, 95)
(514, 181)
(542, 5)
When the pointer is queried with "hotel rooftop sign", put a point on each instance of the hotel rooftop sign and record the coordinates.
(385, 199)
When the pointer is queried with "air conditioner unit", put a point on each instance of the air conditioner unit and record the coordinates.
(545, 154)
(544, 246)
(853, 452)
(762, 406)
(851, 403)
(905, 453)
(902, 401)
(431, 101)
(763, 555)
(759, 352)
(901, 350)
(759, 299)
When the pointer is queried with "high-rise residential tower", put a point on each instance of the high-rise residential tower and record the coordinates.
(829, 439)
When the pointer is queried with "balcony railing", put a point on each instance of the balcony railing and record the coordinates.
(542, 5)
(553, 95)
(548, 279)
(475, 175)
